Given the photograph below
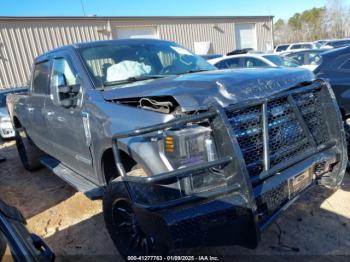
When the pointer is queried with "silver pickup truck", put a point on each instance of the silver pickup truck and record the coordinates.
(181, 154)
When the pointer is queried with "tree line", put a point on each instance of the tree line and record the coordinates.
(330, 21)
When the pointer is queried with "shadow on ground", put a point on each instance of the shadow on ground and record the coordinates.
(32, 192)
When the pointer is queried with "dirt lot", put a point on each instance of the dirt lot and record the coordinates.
(317, 224)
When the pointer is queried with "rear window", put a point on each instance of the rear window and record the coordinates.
(229, 63)
(281, 48)
(301, 46)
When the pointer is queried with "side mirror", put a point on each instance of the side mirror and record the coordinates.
(67, 93)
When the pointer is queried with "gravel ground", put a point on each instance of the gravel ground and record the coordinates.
(316, 227)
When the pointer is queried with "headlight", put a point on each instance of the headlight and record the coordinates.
(189, 146)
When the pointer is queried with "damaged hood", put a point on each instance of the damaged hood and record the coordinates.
(199, 90)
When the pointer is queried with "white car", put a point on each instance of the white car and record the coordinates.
(297, 47)
(303, 46)
(6, 128)
(252, 60)
(281, 48)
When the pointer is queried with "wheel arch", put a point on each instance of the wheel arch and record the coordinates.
(16, 122)
(108, 166)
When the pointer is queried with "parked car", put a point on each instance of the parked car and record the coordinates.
(281, 48)
(297, 47)
(322, 42)
(337, 43)
(21, 244)
(335, 67)
(6, 128)
(303, 45)
(309, 59)
(252, 60)
(182, 154)
(211, 56)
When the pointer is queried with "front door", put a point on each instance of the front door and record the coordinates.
(66, 124)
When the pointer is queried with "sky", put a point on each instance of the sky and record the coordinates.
(278, 8)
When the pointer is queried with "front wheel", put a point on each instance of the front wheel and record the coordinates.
(28, 152)
(124, 227)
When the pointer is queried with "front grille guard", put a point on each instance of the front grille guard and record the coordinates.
(267, 169)
(213, 115)
(230, 157)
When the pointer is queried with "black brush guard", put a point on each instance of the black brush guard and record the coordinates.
(227, 214)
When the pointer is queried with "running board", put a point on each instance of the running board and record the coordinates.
(80, 183)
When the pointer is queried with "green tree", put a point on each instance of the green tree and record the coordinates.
(279, 24)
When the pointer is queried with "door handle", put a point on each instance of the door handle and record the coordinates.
(30, 109)
(50, 113)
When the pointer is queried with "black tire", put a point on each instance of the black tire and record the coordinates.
(28, 152)
(347, 135)
(3, 245)
(123, 226)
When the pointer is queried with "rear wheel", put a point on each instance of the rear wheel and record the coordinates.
(28, 152)
(123, 224)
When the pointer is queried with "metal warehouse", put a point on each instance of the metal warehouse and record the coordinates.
(23, 38)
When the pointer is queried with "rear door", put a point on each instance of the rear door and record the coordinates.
(66, 125)
(34, 120)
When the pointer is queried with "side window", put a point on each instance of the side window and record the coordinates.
(296, 47)
(314, 58)
(346, 65)
(41, 78)
(307, 46)
(253, 62)
(297, 57)
(281, 48)
(61, 68)
(233, 63)
(221, 65)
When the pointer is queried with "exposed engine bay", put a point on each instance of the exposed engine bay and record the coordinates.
(166, 104)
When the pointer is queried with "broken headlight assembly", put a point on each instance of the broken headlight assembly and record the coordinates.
(188, 146)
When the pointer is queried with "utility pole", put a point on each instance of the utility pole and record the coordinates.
(82, 7)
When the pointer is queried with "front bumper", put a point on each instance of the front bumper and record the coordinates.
(246, 203)
(6, 130)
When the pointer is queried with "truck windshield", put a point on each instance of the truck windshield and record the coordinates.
(112, 65)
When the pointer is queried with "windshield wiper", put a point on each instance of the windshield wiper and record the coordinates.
(132, 79)
(193, 71)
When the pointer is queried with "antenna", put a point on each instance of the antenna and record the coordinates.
(82, 7)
